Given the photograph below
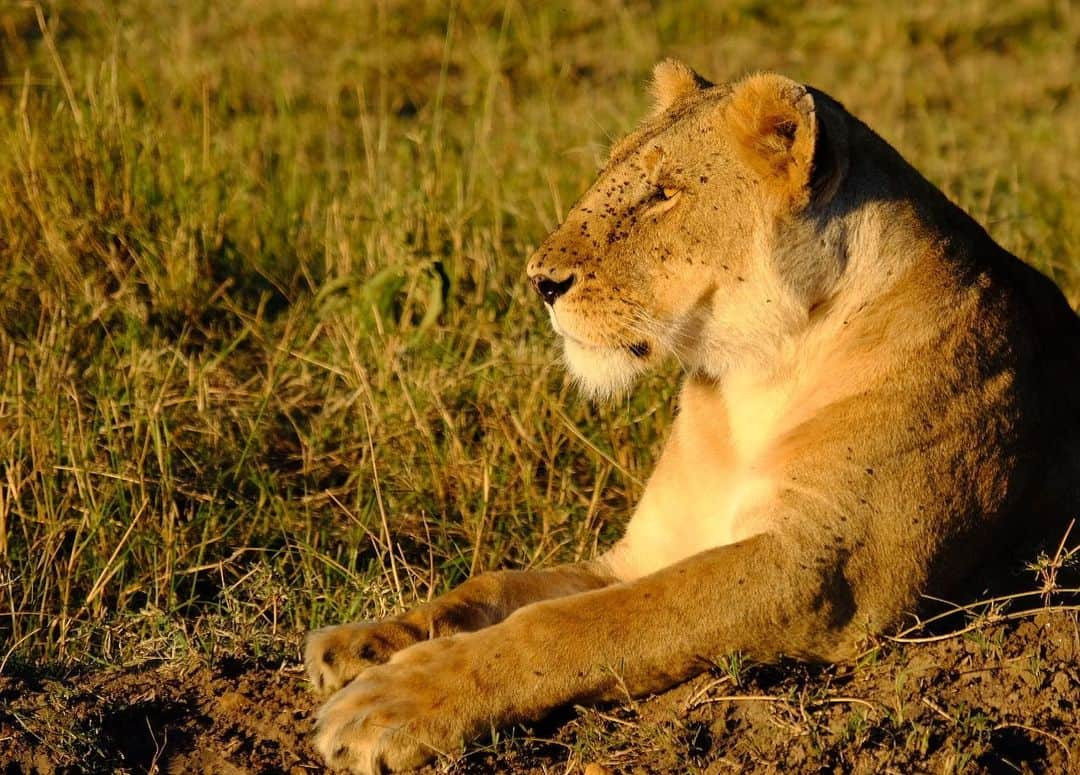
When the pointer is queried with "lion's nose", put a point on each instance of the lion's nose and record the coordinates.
(549, 289)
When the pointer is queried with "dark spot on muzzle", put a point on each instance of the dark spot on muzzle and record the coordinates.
(640, 349)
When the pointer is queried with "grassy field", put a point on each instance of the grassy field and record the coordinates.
(267, 357)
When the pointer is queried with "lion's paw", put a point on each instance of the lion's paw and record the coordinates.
(399, 715)
(335, 655)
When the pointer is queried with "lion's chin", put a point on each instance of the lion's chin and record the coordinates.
(601, 372)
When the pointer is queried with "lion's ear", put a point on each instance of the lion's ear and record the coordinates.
(672, 80)
(776, 131)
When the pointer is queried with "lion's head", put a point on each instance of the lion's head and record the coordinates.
(705, 236)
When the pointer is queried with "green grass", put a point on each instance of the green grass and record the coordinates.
(267, 359)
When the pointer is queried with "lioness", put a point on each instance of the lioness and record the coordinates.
(876, 396)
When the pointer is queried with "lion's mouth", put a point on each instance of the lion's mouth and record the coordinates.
(640, 349)
(561, 331)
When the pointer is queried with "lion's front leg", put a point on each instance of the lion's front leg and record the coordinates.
(335, 655)
(756, 597)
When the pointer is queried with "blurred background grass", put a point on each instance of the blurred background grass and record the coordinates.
(267, 360)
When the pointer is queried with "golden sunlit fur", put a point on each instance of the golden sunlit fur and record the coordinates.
(876, 397)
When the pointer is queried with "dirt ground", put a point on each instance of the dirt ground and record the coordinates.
(1003, 697)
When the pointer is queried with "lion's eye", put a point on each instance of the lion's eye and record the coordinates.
(663, 199)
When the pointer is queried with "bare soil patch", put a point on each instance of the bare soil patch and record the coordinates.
(1004, 697)
(236, 717)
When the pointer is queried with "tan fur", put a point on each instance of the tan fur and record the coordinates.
(671, 81)
(877, 396)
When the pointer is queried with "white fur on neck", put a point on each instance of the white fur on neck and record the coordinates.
(600, 372)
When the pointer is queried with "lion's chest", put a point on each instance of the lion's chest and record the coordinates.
(716, 479)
